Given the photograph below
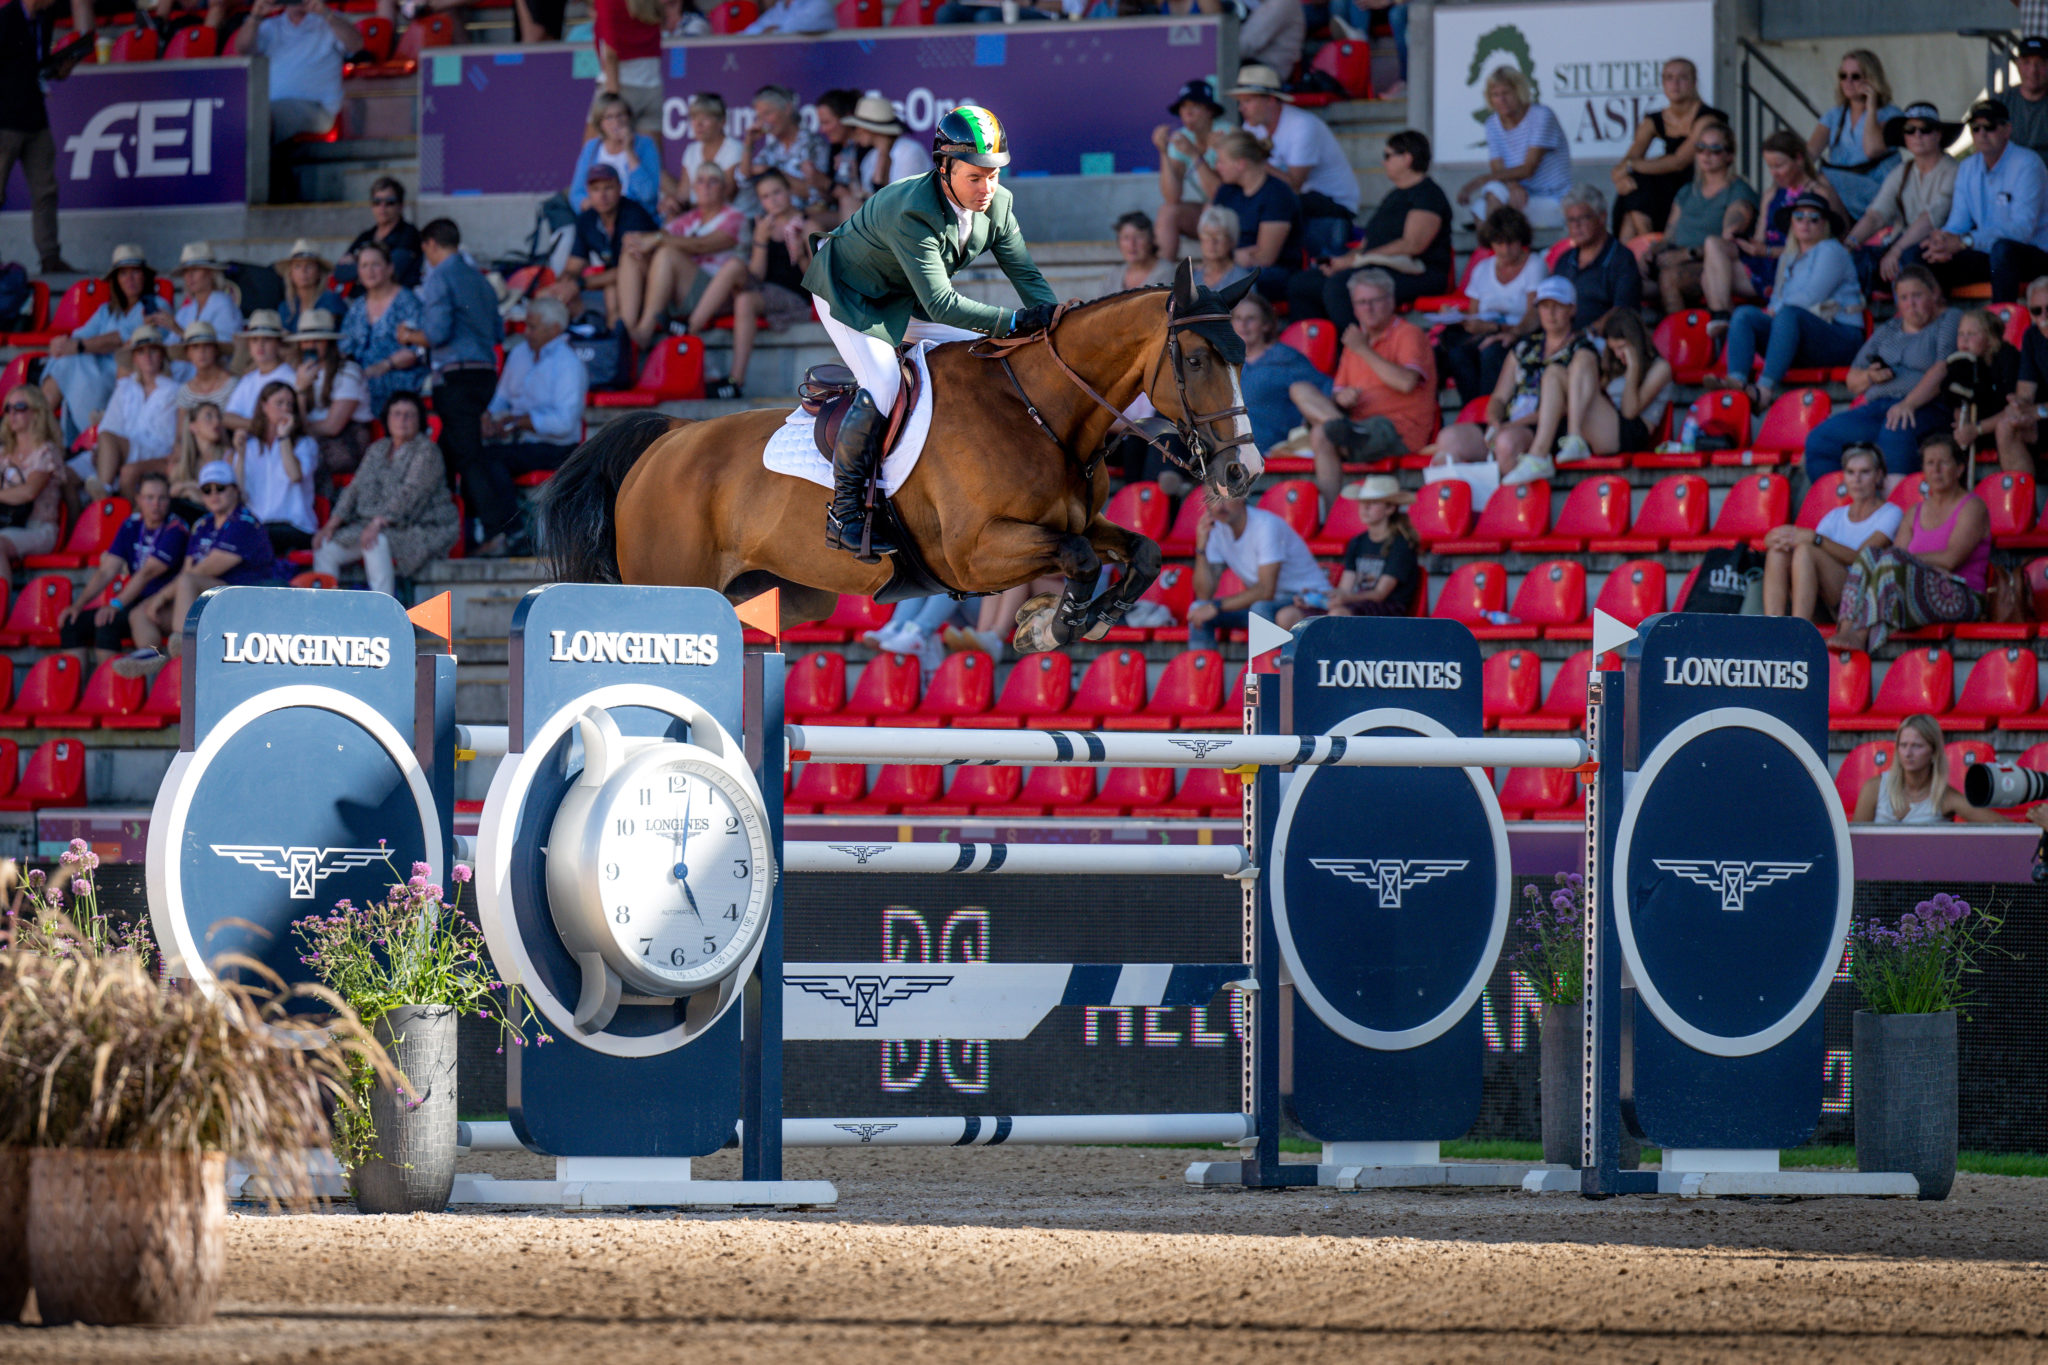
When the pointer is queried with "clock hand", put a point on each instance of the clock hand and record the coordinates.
(682, 867)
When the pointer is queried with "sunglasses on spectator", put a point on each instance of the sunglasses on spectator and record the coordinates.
(1981, 128)
(1849, 75)
(1808, 216)
(2039, 312)
(209, 489)
(1713, 149)
(1920, 129)
(20, 407)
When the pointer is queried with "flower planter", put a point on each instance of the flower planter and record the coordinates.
(14, 1279)
(412, 1168)
(1904, 1083)
(1563, 1034)
(127, 1238)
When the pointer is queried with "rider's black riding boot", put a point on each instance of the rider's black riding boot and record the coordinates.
(854, 455)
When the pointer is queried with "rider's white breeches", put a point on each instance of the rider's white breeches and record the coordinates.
(873, 360)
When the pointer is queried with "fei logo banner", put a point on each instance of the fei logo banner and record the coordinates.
(134, 136)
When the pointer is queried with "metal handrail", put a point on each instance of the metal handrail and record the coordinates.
(1750, 49)
(1998, 45)
(1751, 134)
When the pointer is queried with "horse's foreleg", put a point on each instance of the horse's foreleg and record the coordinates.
(1047, 622)
(1141, 560)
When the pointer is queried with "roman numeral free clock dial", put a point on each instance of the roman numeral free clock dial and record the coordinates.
(659, 868)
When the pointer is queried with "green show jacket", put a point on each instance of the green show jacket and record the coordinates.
(895, 259)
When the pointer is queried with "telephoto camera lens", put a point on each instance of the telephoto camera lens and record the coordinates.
(2000, 785)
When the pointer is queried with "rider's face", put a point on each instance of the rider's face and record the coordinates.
(973, 186)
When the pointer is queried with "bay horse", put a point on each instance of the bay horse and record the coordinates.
(1010, 486)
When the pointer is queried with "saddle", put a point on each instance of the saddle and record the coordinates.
(827, 391)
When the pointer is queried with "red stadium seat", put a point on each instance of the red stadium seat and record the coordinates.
(1848, 688)
(134, 45)
(975, 791)
(10, 766)
(1724, 414)
(8, 720)
(899, 785)
(309, 579)
(1344, 522)
(55, 776)
(816, 688)
(1191, 686)
(887, 689)
(1752, 507)
(38, 315)
(1180, 541)
(435, 29)
(1054, 791)
(2010, 498)
(91, 535)
(16, 373)
(33, 620)
(850, 619)
(78, 303)
(1472, 591)
(1113, 686)
(1437, 303)
(1961, 753)
(106, 694)
(826, 786)
(1038, 685)
(1174, 589)
(1231, 715)
(374, 39)
(159, 709)
(194, 41)
(1315, 338)
(1676, 506)
(1347, 62)
(733, 16)
(1872, 758)
(674, 371)
(1597, 508)
(1142, 507)
(1632, 592)
(1513, 685)
(1206, 793)
(1552, 594)
(1442, 511)
(1908, 494)
(1782, 437)
(2036, 758)
(1682, 339)
(2003, 685)
(860, 13)
(1921, 679)
(1125, 789)
(1294, 502)
(1540, 794)
(1516, 513)
(914, 13)
(965, 685)
(1564, 709)
(1821, 499)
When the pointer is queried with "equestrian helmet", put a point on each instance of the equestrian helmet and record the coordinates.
(973, 135)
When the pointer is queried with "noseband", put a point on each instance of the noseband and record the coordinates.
(1190, 425)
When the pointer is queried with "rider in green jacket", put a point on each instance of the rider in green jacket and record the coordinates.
(884, 277)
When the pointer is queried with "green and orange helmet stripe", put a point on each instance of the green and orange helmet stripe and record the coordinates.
(973, 135)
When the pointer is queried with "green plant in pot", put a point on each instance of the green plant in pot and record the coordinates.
(1551, 955)
(1912, 973)
(408, 965)
(130, 1095)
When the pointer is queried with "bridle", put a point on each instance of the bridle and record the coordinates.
(1191, 426)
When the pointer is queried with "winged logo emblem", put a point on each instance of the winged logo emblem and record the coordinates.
(860, 852)
(1200, 748)
(303, 867)
(866, 995)
(1733, 880)
(866, 1132)
(1390, 876)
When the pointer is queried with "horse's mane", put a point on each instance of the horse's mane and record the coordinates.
(1217, 334)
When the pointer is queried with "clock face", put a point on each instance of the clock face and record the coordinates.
(679, 870)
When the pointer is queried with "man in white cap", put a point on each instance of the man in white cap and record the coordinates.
(1304, 153)
(227, 548)
(265, 334)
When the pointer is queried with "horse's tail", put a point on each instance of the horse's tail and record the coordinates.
(578, 532)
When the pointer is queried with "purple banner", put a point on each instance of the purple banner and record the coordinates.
(148, 135)
(1076, 98)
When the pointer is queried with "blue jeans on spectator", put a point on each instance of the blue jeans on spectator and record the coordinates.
(931, 614)
(1865, 425)
(1204, 635)
(2009, 265)
(1790, 337)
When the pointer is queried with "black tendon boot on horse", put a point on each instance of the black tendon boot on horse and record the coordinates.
(854, 457)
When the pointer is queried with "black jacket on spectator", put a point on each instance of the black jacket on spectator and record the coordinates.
(24, 39)
(599, 248)
(1612, 281)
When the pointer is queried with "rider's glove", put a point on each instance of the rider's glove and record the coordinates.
(1026, 321)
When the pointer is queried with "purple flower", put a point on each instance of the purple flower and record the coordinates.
(78, 845)
(463, 872)
(421, 870)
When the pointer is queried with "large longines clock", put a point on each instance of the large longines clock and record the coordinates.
(659, 870)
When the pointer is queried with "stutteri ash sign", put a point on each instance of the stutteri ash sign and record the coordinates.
(1598, 66)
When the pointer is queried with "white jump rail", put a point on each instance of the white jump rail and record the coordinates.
(854, 744)
(983, 1130)
(1137, 860)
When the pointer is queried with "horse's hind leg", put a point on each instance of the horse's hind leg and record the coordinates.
(1141, 559)
(1047, 622)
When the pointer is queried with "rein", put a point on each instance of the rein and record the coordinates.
(1190, 425)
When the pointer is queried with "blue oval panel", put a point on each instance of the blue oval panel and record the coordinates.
(1733, 860)
(1390, 883)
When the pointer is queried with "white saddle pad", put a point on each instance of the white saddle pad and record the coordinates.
(792, 450)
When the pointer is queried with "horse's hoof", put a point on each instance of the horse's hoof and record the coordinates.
(1034, 634)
